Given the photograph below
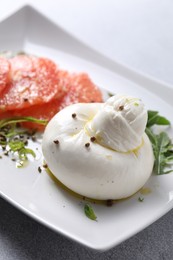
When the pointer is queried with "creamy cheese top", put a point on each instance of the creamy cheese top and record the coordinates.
(120, 123)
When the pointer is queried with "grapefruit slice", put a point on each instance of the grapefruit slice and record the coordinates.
(42, 111)
(37, 88)
(33, 81)
(4, 73)
(80, 90)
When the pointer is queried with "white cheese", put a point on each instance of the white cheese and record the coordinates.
(114, 166)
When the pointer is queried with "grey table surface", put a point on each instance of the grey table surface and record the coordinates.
(139, 34)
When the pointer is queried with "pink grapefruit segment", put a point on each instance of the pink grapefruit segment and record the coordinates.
(33, 81)
(4, 73)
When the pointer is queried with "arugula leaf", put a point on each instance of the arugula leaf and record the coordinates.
(161, 150)
(89, 212)
(155, 119)
(161, 143)
(151, 136)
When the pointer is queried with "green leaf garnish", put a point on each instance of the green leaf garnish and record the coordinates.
(155, 119)
(89, 212)
(110, 94)
(15, 120)
(19, 147)
(161, 144)
(13, 139)
(140, 199)
(163, 151)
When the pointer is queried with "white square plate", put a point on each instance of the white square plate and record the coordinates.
(36, 194)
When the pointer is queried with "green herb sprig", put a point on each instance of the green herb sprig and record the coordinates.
(89, 212)
(161, 143)
(12, 121)
(140, 199)
(13, 139)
